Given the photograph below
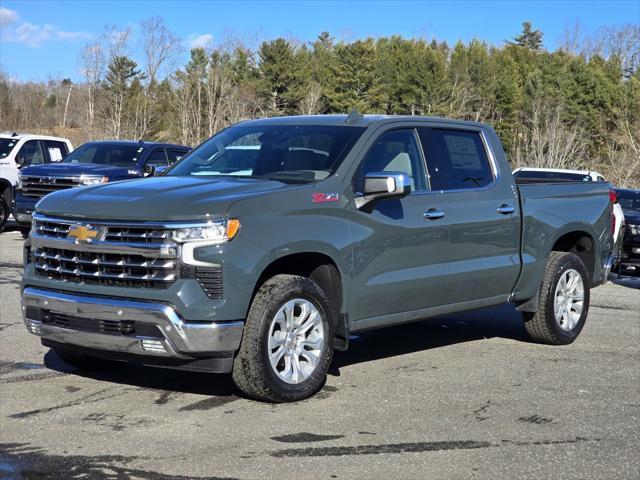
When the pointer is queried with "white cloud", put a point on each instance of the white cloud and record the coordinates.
(36, 35)
(7, 16)
(199, 41)
(31, 35)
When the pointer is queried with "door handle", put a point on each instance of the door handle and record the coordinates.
(433, 214)
(506, 209)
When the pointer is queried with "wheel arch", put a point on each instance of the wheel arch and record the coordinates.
(580, 243)
(320, 267)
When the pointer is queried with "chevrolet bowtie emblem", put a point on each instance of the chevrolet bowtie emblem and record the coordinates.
(82, 233)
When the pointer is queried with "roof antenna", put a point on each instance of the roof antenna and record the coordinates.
(354, 116)
(14, 134)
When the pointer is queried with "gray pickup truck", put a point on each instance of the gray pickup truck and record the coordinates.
(268, 245)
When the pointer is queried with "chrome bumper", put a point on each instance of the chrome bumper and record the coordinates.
(175, 338)
(608, 265)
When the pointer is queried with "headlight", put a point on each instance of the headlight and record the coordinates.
(19, 182)
(93, 180)
(635, 229)
(215, 232)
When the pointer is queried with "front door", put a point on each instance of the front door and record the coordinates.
(397, 251)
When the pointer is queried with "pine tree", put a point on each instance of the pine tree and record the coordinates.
(529, 38)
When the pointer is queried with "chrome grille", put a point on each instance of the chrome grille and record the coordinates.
(136, 235)
(52, 229)
(114, 269)
(38, 186)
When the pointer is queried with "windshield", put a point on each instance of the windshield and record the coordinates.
(629, 200)
(106, 154)
(6, 145)
(298, 153)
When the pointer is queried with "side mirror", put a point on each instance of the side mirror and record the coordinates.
(20, 161)
(149, 170)
(378, 185)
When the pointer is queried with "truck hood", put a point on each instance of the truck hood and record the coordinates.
(77, 169)
(157, 198)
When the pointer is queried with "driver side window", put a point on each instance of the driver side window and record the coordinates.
(31, 153)
(395, 151)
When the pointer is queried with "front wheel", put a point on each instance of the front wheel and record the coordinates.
(287, 343)
(564, 301)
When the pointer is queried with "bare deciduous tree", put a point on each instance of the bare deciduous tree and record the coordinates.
(546, 142)
(159, 46)
(92, 62)
(311, 103)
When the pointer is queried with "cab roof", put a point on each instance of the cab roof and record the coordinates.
(31, 136)
(353, 119)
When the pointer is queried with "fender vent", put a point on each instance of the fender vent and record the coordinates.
(210, 279)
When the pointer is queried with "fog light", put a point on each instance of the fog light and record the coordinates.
(33, 327)
(635, 250)
(152, 345)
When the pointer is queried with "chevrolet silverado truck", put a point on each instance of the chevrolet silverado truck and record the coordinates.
(269, 244)
(18, 150)
(91, 164)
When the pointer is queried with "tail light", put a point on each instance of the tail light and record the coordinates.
(613, 198)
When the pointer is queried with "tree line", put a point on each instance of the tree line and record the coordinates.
(575, 107)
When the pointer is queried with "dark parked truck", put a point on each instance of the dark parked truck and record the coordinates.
(91, 164)
(272, 242)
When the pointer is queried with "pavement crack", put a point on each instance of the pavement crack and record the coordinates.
(90, 398)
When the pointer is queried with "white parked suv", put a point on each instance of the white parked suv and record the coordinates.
(21, 149)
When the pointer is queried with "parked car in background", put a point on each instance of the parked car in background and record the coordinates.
(22, 149)
(92, 163)
(261, 260)
(629, 200)
(525, 175)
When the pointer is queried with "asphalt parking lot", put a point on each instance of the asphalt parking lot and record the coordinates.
(464, 396)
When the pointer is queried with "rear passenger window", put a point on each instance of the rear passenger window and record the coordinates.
(56, 150)
(456, 159)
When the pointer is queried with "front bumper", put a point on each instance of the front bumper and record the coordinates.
(140, 331)
(23, 209)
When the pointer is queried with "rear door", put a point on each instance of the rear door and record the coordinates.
(482, 212)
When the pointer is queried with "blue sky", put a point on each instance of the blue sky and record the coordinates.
(41, 39)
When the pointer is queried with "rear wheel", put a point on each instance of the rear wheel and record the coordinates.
(564, 301)
(287, 343)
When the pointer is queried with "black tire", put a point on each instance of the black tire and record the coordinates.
(82, 362)
(24, 231)
(4, 210)
(252, 370)
(542, 326)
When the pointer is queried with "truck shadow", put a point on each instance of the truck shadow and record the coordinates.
(503, 322)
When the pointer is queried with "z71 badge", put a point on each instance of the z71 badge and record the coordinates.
(325, 197)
